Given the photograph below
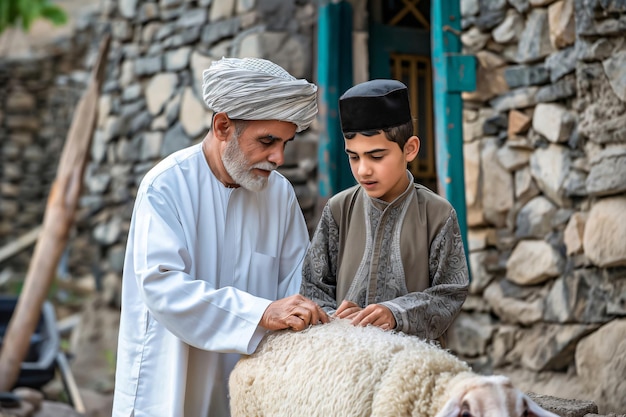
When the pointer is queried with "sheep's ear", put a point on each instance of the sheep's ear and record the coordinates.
(535, 411)
(450, 409)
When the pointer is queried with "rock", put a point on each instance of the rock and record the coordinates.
(615, 68)
(516, 99)
(159, 91)
(192, 112)
(32, 396)
(510, 28)
(562, 23)
(563, 407)
(474, 39)
(573, 234)
(607, 175)
(490, 80)
(512, 310)
(551, 347)
(601, 362)
(583, 296)
(535, 218)
(546, 263)
(512, 158)
(605, 233)
(526, 75)
(497, 190)
(470, 334)
(561, 63)
(550, 167)
(560, 90)
(482, 274)
(222, 9)
(518, 123)
(534, 41)
(473, 197)
(525, 186)
(553, 121)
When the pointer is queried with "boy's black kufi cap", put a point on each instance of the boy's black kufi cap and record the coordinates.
(374, 105)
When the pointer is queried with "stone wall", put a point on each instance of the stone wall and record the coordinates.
(151, 103)
(38, 92)
(150, 106)
(545, 166)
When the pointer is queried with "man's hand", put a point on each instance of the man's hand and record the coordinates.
(374, 314)
(295, 312)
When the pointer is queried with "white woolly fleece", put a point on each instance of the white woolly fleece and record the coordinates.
(338, 369)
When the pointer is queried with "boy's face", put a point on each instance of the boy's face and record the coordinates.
(379, 165)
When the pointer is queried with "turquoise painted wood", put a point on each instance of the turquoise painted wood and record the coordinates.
(384, 40)
(452, 74)
(334, 76)
(461, 74)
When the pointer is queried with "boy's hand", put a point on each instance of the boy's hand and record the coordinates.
(376, 315)
(347, 310)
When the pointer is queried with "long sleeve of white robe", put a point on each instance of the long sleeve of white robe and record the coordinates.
(203, 262)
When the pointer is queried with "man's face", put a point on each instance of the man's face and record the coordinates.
(260, 148)
(379, 165)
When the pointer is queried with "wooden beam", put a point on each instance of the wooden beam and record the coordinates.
(19, 244)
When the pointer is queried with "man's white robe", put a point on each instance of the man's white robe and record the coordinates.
(202, 264)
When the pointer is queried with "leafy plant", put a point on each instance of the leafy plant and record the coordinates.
(24, 12)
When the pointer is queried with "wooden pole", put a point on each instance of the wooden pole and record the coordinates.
(58, 219)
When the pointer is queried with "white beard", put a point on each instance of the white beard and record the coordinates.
(240, 171)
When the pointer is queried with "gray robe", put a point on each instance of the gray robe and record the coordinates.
(406, 255)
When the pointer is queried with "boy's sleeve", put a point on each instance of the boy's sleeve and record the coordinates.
(430, 312)
(319, 270)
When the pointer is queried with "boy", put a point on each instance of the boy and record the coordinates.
(386, 252)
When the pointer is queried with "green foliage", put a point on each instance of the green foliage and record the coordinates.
(111, 359)
(24, 12)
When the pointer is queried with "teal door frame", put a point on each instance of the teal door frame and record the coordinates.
(334, 76)
(453, 73)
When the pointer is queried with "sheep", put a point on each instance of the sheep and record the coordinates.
(337, 369)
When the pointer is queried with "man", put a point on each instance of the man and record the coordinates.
(216, 235)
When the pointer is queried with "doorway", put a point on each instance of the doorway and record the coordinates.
(399, 48)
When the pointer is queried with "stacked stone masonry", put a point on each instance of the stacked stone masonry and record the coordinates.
(545, 166)
(150, 106)
(37, 98)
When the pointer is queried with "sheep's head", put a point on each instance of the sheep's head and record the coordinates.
(490, 396)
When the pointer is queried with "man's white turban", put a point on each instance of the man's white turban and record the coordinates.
(257, 89)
